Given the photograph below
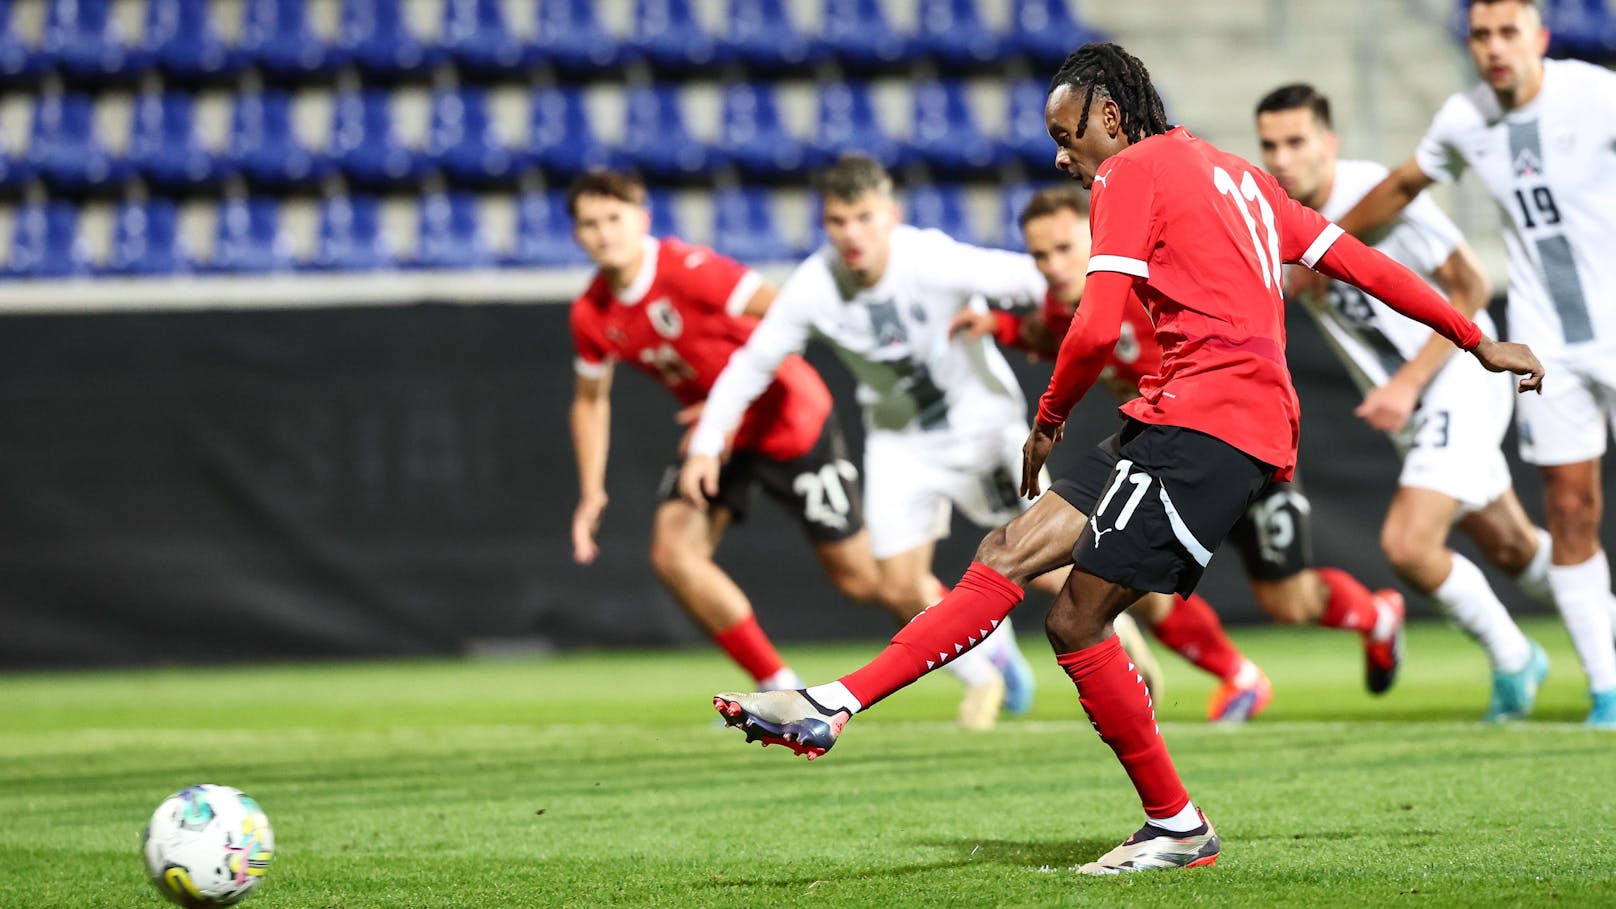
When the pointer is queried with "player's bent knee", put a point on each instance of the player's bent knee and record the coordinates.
(998, 553)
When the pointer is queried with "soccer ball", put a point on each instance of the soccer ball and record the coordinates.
(208, 846)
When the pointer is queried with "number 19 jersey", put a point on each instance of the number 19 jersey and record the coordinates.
(1209, 233)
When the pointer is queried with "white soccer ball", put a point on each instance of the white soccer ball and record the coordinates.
(208, 846)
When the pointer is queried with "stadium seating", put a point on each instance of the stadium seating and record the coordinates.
(1045, 31)
(375, 36)
(754, 139)
(1011, 202)
(571, 39)
(544, 231)
(364, 144)
(17, 60)
(858, 35)
(45, 242)
(146, 240)
(64, 148)
(263, 146)
(940, 207)
(164, 145)
(182, 41)
(276, 36)
(1026, 136)
(668, 36)
(744, 226)
(350, 236)
(952, 32)
(83, 40)
(847, 122)
(462, 140)
(248, 237)
(946, 135)
(664, 214)
(656, 139)
(451, 233)
(1581, 28)
(763, 36)
(476, 36)
(561, 141)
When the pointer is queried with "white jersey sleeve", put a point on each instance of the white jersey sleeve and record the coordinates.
(1438, 154)
(1426, 236)
(783, 331)
(1009, 280)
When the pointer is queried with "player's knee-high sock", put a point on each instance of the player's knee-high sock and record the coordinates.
(1351, 606)
(1534, 579)
(1193, 632)
(1469, 600)
(937, 637)
(750, 648)
(1583, 594)
(979, 665)
(1119, 706)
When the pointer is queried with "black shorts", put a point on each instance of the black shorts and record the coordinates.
(1160, 500)
(821, 489)
(1275, 535)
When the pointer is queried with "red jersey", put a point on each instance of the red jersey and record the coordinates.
(1135, 356)
(679, 322)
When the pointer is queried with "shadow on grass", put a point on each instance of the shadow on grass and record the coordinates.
(1057, 856)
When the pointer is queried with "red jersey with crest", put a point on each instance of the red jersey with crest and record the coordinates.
(1208, 233)
(679, 322)
(1135, 355)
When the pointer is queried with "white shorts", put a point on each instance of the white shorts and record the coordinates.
(1454, 441)
(1569, 421)
(912, 480)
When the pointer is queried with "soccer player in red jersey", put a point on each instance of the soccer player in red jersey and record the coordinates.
(677, 311)
(1200, 236)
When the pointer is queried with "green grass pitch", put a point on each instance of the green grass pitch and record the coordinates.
(600, 780)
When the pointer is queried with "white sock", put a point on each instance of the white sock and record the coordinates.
(1182, 822)
(973, 667)
(998, 645)
(1534, 579)
(835, 696)
(1582, 592)
(1470, 601)
(784, 680)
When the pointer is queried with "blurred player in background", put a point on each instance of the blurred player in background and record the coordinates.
(1200, 237)
(1446, 415)
(1541, 136)
(1056, 228)
(676, 312)
(945, 417)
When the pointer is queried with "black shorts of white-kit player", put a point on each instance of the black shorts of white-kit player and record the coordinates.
(1275, 535)
(821, 489)
(1160, 499)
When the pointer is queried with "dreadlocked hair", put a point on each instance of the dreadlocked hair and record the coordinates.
(1105, 67)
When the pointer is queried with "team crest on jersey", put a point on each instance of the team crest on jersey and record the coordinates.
(1527, 164)
(888, 327)
(665, 319)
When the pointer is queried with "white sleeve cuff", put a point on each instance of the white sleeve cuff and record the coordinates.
(707, 442)
(742, 294)
(1121, 264)
(588, 370)
(1322, 244)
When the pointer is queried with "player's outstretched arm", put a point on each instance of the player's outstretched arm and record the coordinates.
(591, 421)
(1386, 201)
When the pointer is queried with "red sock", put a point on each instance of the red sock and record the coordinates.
(750, 648)
(1351, 605)
(1193, 632)
(1115, 698)
(976, 606)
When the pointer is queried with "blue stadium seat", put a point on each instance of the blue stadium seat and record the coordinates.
(45, 242)
(744, 226)
(475, 35)
(463, 141)
(364, 144)
(265, 148)
(668, 36)
(941, 207)
(753, 138)
(571, 39)
(664, 213)
(858, 35)
(562, 143)
(82, 38)
(816, 226)
(17, 59)
(248, 238)
(847, 122)
(946, 135)
(763, 36)
(1581, 28)
(451, 234)
(952, 33)
(146, 240)
(655, 138)
(164, 144)
(63, 147)
(184, 42)
(1012, 200)
(351, 236)
(1045, 31)
(1026, 137)
(14, 171)
(376, 37)
(544, 231)
(275, 34)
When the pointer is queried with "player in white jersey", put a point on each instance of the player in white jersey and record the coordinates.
(1445, 414)
(945, 418)
(1541, 136)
